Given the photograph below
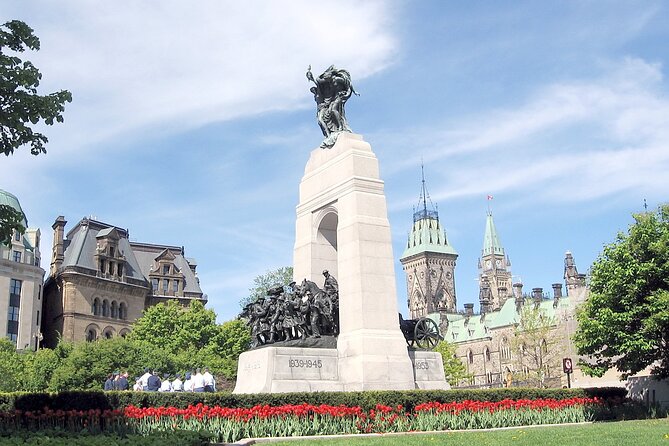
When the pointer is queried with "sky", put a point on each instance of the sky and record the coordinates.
(191, 124)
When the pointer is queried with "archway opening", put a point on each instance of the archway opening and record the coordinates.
(325, 257)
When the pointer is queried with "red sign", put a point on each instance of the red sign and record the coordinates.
(567, 365)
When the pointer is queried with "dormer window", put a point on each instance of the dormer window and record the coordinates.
(111, 251)
(166, 269)
(17, 236)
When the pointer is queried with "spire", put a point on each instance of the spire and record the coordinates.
(427, 235)
(491, 243)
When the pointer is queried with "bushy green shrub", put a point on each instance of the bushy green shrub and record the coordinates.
(366, 400)
(61, 438)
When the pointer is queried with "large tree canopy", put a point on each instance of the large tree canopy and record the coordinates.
(20, 105)
(281, 276)
(10, 220)
(625, 321)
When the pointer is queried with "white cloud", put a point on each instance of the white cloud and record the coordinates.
(174, 65)
(570, 141)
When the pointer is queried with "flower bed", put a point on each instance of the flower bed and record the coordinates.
(231, 424)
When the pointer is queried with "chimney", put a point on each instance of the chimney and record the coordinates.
(537, 296)
(557, 294)
(58, 254)
(469, 310)
(518, 295)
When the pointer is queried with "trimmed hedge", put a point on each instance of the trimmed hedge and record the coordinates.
(366, 400)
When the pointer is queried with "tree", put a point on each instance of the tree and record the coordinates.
(20, 105)
(538, 347)
(454, 369)
(192, 336)
(10, 220)
(624, 323)
(281, 276)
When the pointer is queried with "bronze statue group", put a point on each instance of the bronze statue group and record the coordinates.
(294, 312)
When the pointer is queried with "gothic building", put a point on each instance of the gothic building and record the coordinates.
(494, 270)
(20, 283)
(100, 282)
(429, 264)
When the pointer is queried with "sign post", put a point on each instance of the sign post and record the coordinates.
(568, 368)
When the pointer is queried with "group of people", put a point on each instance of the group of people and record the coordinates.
(293, 312)
(198, 380)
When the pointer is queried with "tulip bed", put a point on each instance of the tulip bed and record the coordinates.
(231, 424)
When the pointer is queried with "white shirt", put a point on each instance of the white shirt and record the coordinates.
(165, 386)
(144, 380)
(208, 379)
(188, 385)
(198, 381)
(177, 385)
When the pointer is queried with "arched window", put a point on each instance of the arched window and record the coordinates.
(91, 335)
(123, 333)
(114, 309)
(96, 306)
(123, 311)
(471, 357)
(108, 334)
(105, 308)
(486, 353)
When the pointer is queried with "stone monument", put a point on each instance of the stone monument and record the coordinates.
(342, 227)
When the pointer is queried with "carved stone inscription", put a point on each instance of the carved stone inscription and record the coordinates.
(318, 366)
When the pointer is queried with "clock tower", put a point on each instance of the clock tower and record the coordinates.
(429, 263)
(494, 269)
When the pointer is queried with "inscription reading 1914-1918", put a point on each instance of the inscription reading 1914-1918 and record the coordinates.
(306, 363)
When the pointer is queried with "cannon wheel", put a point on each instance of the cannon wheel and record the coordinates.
(426, 334)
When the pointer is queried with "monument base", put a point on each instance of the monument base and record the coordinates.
(288, 369)
(293, 369)
(428, 370)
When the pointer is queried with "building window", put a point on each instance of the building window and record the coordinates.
(120, 269)
(17, 256)
(17, 236)
(91, 335)
(471, 357)
(105, 308)
(108, 334)
(166, 269)
(13, 314)
(111, 268)
(154, 284)
(15, 288)
(37, 323)
(487, 354)
(96, 307)
(166, 286)
(114, 309)
(102, 266)
(175, 286)
(111, 251)
(122, 311)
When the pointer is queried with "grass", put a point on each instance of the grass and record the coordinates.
(621, 433)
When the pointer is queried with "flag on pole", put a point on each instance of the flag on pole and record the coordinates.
(489, 197)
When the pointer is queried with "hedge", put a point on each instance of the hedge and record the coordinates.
(366, 400)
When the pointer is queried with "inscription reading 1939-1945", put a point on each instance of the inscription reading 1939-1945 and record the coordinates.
(306, 363)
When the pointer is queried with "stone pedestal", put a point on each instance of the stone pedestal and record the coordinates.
(342, 226)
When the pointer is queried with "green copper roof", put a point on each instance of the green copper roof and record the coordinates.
(8, 199)
(461, 329)
(427, 235)
(491, 243)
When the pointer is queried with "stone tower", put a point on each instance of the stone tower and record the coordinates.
(429, 264)
(494, 270)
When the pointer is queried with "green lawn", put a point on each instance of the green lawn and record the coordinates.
(622, 433)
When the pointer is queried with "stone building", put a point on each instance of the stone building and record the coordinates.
(429, 263)
(484, 341)
(100, 282)
(20, 283)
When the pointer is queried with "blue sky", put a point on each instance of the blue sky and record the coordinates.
(192, 122)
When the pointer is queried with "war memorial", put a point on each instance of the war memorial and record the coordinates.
(346, 336)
